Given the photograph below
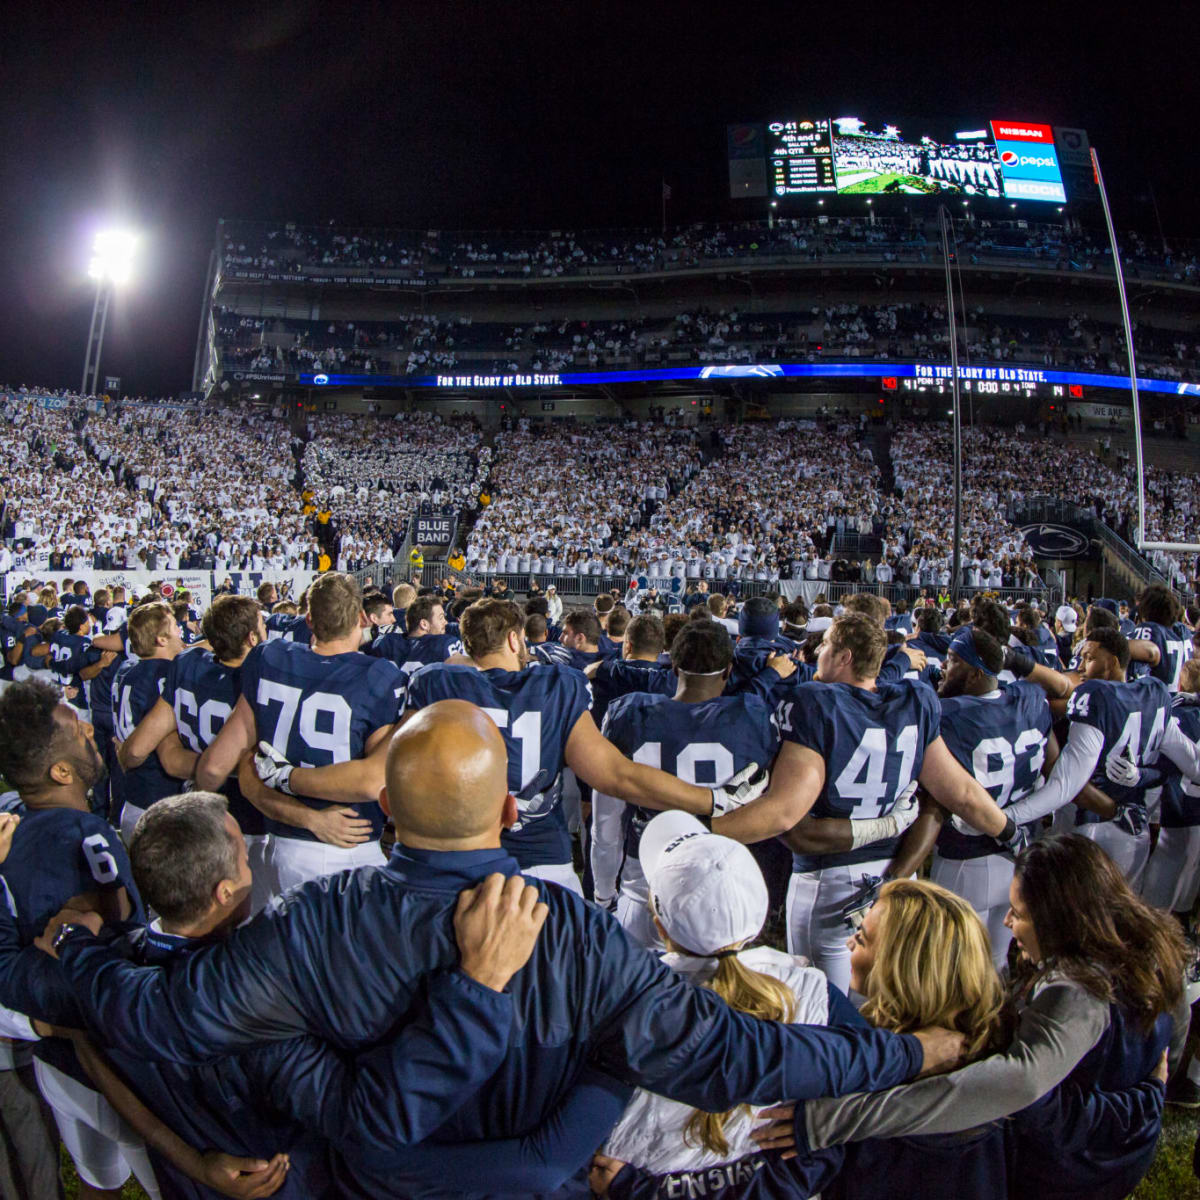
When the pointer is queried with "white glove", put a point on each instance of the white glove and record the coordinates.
(880, 829)
(746, 785)
(272, 768)
(1121, 770)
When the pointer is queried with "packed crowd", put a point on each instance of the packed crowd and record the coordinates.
(142, 489)
(300, 902)
(590, 520)
(370, 476)
(433, 255)
(890, 332)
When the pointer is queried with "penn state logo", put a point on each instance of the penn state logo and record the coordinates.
(320, 380)
(1055, 541)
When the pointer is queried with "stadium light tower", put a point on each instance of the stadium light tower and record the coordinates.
(111, 267)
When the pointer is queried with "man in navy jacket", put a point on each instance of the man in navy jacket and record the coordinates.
(345, 957)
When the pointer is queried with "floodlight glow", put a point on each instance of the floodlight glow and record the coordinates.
(112, 256)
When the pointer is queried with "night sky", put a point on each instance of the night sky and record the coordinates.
(457, 116)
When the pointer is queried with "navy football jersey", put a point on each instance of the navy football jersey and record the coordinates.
(1180, 795)
(412, 653)
(896, 665)
(1000, 739)
(535, 709)
(289, 627)
(551, 652)
(10, 627)
(135, 690)
(621, 676)
(1173, 652)
(704, 744)
(100, 687)
(69, 654)
(58, 853)
(1132, 718)
(935, 646)
(873, 743)
(750, 658)
(202, 693)
(320, 709)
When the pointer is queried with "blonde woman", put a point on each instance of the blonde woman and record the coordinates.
(1099, 999)
(708, 900)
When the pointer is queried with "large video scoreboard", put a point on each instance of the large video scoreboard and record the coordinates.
(808, 156)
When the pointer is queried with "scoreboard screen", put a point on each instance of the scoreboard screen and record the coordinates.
(998, 159)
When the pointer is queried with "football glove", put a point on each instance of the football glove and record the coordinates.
(1132, 819)
(1019, 662)
(1018, 841)
(272, 768)
(859, 904)
(1122, 770)
(878, 829)
(746, 785)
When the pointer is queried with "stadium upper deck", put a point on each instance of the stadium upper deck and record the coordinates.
(561, 312)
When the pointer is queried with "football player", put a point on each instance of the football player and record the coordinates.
(850, 751)
(61, 852)
(1173, 872)
(199, 692)
(543, 713)
(74, 659)
(313, 705)
(695, 734)
(427, 640)
(154, 638)
(1115, 730)
(1001, 733)
(1157, 639)
(637, 670)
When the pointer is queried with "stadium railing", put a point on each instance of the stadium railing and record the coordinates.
(588, 586)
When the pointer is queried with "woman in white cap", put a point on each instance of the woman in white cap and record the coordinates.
(709, 900)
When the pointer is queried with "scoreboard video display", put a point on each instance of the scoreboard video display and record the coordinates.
(996, 159)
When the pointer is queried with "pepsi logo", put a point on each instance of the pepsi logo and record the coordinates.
(1008, 158)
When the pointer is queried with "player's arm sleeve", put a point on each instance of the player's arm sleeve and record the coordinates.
(662, 1033)
(1057, 1028)
(1072, 770)
(607, 814)
(221, 1000)
(1181, 750)
(543, 1160)
(400, 1092)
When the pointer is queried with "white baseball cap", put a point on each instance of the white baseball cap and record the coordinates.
(708, 891)
(1068, 616)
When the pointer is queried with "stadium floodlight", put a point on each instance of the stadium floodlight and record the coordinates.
(112, 256)
(111, 266)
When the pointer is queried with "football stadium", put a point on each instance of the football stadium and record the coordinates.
(511, 687)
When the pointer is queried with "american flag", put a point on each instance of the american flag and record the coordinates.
(666, 190)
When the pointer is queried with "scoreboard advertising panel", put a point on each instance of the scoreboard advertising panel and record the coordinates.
(997, 159)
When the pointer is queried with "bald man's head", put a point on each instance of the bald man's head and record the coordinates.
(447, 778)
